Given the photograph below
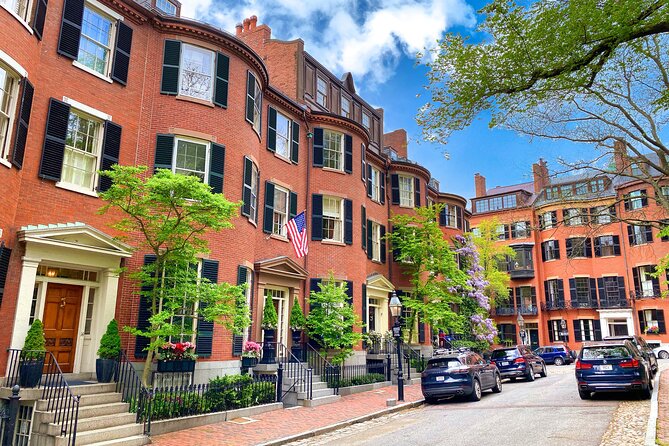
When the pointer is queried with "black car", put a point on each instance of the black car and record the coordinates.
(518, 361)
(459, 374)
(645, 349)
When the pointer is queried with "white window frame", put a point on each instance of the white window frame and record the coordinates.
(608, 247)
(451, 216)
(10, 115)
(207, 154)
(338, 220)
(182, 69)
(283, 140)
(647, 319)
(321, 95)
(106, 13)
(331, 138)
(366, 121)
(547, 220)
(406, 193)
(255, 183)
(376, 184)
(376, 241)
(163, 10)
(98, 153)
(587, 328)
(24, 17)
(635, 200)
(646, 281)
(345, 111)
(280, 216)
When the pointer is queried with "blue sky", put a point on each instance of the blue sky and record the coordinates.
(377, 40)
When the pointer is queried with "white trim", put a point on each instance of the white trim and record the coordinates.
(5, 163)
(74, 188)
(207, 154)
(14, 65)
(86, 109)
(110, 12)
(18, 17)
(81, 66)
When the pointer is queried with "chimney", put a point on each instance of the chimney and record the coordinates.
(238, 29)
(540, 175)
(479, 184)
(254, 21)
(247, 24)
(620, 156)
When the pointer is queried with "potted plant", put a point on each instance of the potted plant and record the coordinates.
(374, 338)
(108, 353)
(653, 330)
(250, 354)
(270, 320)
(31, 361)
(297, 325)
(176, 358)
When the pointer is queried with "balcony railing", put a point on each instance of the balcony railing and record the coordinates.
(587, 303)
(646, 294)
(505, 311)
(551, 306)
(529, 309)
(522, 273)
(614, 303)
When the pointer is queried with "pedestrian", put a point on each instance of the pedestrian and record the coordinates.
(442, 339)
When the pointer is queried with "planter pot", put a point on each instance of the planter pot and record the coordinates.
(269, 347)
(30, 372)
(176, 366)
(249, 362)
(105, 370)
(297, 349)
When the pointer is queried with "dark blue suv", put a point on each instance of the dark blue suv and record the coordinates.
(518, 361)
(554, 354)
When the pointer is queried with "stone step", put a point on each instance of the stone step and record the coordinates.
(87, 400)
(319, 401)
(121, 432)
(136, 440)
(90, 389)
(315, 385)
(95, 423)
(315, 393)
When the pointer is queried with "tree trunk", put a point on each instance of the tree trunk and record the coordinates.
(146, 373)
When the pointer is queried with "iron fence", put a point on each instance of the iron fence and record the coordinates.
(356, 375)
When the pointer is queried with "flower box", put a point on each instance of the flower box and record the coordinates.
(249, 361)
(176, 366)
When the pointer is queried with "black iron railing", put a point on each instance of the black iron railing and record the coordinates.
(381, 346)
(614, 303)
(586, 303)
(504, 311)
(356, 375)
(56, 392)
(129, 385)
(322, 367)
(529, 309)
(550, 306)
(301, 375)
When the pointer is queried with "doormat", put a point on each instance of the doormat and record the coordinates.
(243, 420)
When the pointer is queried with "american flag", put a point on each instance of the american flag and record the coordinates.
(297, 230)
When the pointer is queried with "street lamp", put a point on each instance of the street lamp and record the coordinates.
(521, 328)
(396, 311)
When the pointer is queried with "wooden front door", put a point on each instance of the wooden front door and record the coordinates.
(61, 322)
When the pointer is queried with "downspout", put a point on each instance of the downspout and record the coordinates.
(635, 322)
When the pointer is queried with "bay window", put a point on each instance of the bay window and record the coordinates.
(196, 72)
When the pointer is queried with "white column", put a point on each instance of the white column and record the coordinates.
(24, 302)
(604, 324)
(630, 325)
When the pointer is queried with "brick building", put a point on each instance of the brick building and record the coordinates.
(88, 83)
(583, 262)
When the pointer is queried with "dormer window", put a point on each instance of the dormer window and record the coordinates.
(166, 7)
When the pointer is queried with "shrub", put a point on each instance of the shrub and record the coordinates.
(297, 319)
(34, 346)
(269, 317)
(368, 378)
(174, 405)
(110, 343)
(229, 392)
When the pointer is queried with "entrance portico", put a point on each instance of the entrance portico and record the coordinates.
(378, 289)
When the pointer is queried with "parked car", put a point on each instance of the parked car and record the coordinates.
(661, 350)
(554, 354)
(641, 344)
(612, 366)
(466, 374)
(514, 362)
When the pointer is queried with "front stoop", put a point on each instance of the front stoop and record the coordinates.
(321, 393)
(103, 420)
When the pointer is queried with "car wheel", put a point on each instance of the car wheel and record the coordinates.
(430, 400)
(530, 372)
(664, 355)
(650, 382)
(498, 384)
(584, 394)
(559, 361)
(543, 372)
(476, 391)
(647, 392)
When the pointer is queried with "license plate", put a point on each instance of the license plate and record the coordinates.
(439, 378)
(604, 367)
(504, 363)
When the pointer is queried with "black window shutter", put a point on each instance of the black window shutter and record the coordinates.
(416, 192)
(383, 244)
(637, 282)
(507, 235)
(268, 215)
(442, 216)
(560, 288)
(544, 247)
(363, 168)
(550, 332)
(459, 216)
(363, 312)
(318, 147)
(363, 222)
(518, 298)
(602, 291)
(348, 154)
(370, 248)
(246, 189)
(630, 235)
(514, 233)
(54, 140)
(111, 147)
(315, 288)
(621, 288)
(546, 291)
(216, 168)
(5, 254)
(572, 290)
(383, 188)
(169, 83)
(644, 198)
(421, 331)
(205, 329)
(648, 231)
(627, 203)
(588, 247)
(597, 328)
(577, 331)
(295, 144)
(556, 248)
(349, 292)
(395, 188)
(660, 321)
(533, 296)
(369, 180)
(598, 247)
(164, 152)
(348, 222)
(292, 205)
(144, 313)
(568, 243)
(316, 217)
(122, 53)
(593, 290)
(222, 75)
(39, 18)
(656, 285)
(70, 28)
(23, 122)
(250, 96)
(642, 321)
(554, 218)
(271, 130)
(238, 339)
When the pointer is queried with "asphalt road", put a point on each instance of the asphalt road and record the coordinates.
(547, 411)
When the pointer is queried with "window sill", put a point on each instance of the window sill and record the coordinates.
(333, 242)
(18, 17)
(5, 163)
(607, 256)
(550, 260)
(330, 169)
(281, 238)
(639, 244)
(93, 72)
(283, 158)
(180, 97)
(77, 189)
(253, 222)
(407, 206)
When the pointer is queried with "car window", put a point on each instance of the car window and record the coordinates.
(505, 353)
(605, 352)
(541, 350)
(447, 363)
(653, 344)
(643, 343)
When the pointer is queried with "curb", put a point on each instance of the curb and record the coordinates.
(342, 424)
(651, 430)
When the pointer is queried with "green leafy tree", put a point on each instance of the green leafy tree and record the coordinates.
(170, 215)
(491, 254)
(430, 263)
(270, 319)
(332, 321)
(34, 345)
(297, 319)
(110, 343)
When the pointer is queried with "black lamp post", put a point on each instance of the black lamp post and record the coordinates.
(396, 311)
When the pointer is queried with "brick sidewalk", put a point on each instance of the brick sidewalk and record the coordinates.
(663, 409)
(283, 423)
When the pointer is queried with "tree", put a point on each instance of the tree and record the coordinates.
(110, 343)
(332, 321)
(491, 254)
(169, 215)
(429, 262)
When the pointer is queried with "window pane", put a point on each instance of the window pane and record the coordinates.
(332, 150)
(196, 72)
(95, 40)
(280, 211)
(282, 135)
(406, 191)
(332, 219)
(8, 84)
(80, 159)
(191, 158)
(166, 7)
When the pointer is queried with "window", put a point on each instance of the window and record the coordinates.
(476, 232)
(523, 259)
(196, 72)
(333, 147)
(652, 321)
(280, 217)
(664, 190)
(496, 203)
(578, 247)
(366, 121)
(509, 201)
(552, 192)
(345, 107)
(191, 158)
(376, 184)
(321, 92)
(96, 41)
(406, 191)
(581, 188)
(586, 330)
(506, 333)
(611, 288)
(8, 96)
(502, 232)
(250, 190)
(644, 283)
(597, 185)
(602, 215)
(554, 293)
(636, 200)
(550, 250)
(582, 288)
(554, 331)
(451, 215)
(90, 305)
(575, 217)
(332, 219)
(526, 299)
(283, 136)
(520, 229)
(548, 220)
(639, 235)
(19, 7)
(607, 245)
(82, 149)
(376, 241)
(167, 7)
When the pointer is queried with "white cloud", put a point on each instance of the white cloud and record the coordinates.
(365, 38)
